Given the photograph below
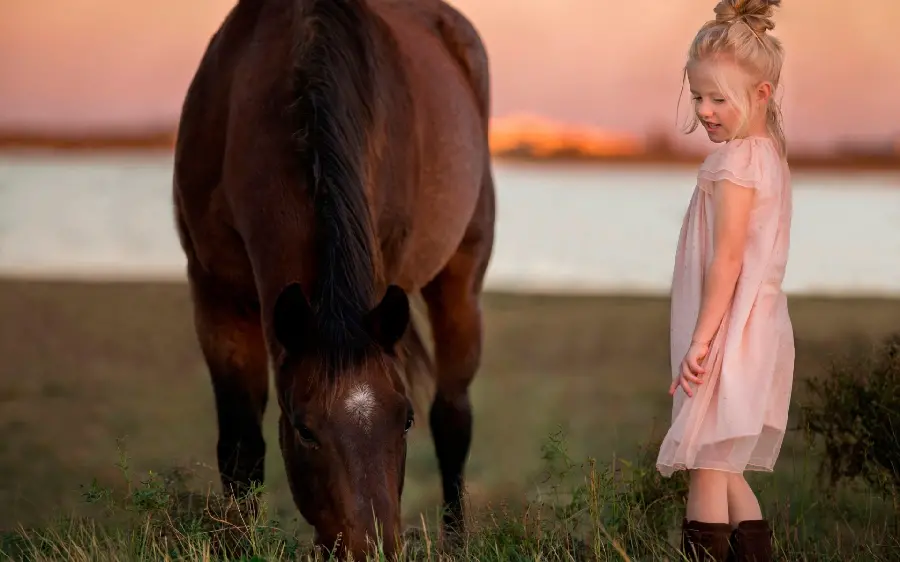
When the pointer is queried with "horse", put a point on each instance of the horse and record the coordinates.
(331, 164)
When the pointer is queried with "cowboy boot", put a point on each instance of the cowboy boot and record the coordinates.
(753, 541)
(731, 542)
(705, 542)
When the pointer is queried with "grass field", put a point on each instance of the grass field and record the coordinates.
(85, 365)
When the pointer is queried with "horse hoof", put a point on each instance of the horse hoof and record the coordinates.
(452, 539)
(413, 534)
(415, 544)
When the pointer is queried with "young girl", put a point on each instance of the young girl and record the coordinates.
(731, 337)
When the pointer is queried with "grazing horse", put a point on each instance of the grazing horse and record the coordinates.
(332, 160)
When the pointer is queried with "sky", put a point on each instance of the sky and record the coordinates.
(70, 65)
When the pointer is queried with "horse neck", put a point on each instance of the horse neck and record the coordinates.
(334, 85)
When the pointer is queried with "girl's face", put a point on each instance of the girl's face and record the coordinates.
(718, 112)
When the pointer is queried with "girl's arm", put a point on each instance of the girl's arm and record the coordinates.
(733, 204)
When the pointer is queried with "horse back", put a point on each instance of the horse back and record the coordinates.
(218, 143)
(445, 70)
(239, 202)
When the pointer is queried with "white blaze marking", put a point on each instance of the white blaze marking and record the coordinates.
(361, 405)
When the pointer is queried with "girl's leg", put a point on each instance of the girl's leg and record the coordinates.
(706, 531)
(708, 498)
(752, 540)
(742, 502)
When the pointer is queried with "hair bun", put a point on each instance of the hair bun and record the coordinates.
(757, 14)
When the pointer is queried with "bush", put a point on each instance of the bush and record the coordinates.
(855, 411)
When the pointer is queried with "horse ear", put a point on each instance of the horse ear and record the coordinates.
(388, 321)
(293, 320)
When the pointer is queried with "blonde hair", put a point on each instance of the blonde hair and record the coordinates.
(740, 32)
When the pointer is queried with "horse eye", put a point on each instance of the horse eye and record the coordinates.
(410, 418)
(305, 434)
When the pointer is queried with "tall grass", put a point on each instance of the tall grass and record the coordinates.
(838, 503)
(618, 510)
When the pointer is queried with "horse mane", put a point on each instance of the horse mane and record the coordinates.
(333, 85)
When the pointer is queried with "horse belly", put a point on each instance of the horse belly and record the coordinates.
(453, 152)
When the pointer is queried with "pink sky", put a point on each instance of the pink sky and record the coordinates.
(75, 64)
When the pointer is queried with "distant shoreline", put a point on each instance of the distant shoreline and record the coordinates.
(800, 162)
(164, 142)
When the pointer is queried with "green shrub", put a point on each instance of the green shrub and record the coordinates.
(855, 411)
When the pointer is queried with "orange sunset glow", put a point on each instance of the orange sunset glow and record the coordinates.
(79, 67)
(542, 138)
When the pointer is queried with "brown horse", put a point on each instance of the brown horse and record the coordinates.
(332, 159)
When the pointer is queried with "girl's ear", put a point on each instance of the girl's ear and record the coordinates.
(764, 92)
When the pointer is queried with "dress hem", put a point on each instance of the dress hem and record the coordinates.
(667, 471)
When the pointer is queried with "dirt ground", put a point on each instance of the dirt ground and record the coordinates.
(84, 365)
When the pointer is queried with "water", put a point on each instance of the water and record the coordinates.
(561, 229)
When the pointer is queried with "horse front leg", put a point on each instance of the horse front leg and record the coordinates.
(233, 346)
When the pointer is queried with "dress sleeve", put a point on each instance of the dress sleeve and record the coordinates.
(738, 162)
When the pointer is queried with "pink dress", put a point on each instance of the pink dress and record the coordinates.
(737, 418)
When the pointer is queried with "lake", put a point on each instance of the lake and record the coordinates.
(561, 228)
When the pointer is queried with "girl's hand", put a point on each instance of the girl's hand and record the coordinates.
(690, 368)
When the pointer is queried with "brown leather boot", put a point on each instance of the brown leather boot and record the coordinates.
(705, 542)
(753, 541)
